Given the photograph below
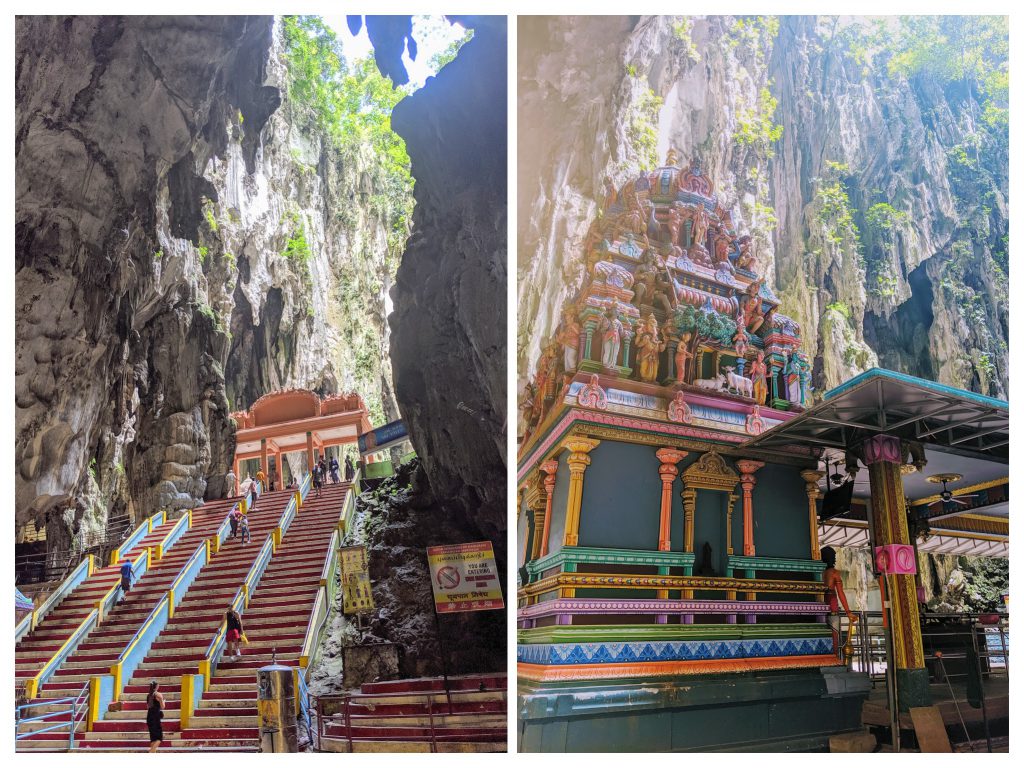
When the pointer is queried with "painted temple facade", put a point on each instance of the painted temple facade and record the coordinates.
(651, 545)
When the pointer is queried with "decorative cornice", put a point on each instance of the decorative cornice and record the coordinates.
(758, 563)
(603, 581)
(611, 556)
(588, 605)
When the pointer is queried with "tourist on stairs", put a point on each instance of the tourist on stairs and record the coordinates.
(126, 577)
(246, 536)
(154, 714)
(233, 519)
(350, 470)
(234, 635)
(334, 470)
(318, 479)
(229, 484)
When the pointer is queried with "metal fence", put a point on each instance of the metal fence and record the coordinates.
(964, 653)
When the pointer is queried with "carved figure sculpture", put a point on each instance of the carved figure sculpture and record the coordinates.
(741, 384)
(674, 224)
(746, 259)
(648, 347)
(683, 356)
(759, 377)
(750, 315)
(611, 338)
(569, 337)
(723, 246)
(715, 384)
(804, 375)
(792, 375)
(694, 180)
(699, 227)
(679, 410)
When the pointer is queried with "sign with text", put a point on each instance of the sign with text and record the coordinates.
(355, 580)
(464, 578)
(383, 437)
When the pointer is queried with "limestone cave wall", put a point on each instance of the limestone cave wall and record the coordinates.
(183, 245)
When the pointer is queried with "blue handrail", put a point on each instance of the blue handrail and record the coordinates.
(75, 704)
(303, 694)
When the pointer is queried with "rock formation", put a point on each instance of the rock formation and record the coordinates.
(883, 228)
(185, 242)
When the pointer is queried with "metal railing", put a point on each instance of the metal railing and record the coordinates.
(961, 651)
(302, 699)
(76, 712)
(436, 733)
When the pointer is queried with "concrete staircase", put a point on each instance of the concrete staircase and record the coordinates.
(277, 617)
(275, 622)
(182, 644)
(100, 650)
(414, 716)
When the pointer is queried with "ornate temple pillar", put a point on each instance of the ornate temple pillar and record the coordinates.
(549, 468)
(689, 507)
(883, 455)
(747, 468)
(263, 457)
(811, 477)
(668, 471)
(578, 461)
(309, 452)
(535, 503)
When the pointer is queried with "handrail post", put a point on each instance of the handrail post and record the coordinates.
(348, 723)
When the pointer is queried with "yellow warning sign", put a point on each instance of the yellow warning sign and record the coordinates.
(355, 580)
(464, 577)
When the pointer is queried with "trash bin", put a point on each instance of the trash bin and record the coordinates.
(276, 704)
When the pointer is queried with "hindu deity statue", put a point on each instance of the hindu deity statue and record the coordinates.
(699, 227)
(759, 378)
(651, 282)
(648, 347)
(611, 338)
(634, 220)
(749, 313)
(528, 408)
(683, 356)
(673, 224)
(746, 259)
(798, 378)
(569, 337)
(723, 246)
(805, 379)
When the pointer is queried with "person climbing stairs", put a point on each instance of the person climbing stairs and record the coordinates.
(183, 642)
(101, 648)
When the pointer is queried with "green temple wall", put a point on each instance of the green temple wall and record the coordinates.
(781, 526)
(621, 497)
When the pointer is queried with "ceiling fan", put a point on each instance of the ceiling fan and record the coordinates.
(946, 496)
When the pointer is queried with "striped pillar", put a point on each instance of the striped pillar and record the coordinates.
(578, 462)
(668, 471)
(883, 456)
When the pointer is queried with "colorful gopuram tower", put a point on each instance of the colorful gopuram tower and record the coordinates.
(670, 590)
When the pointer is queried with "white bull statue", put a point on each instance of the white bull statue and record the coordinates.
(742, 385)
(717, 383)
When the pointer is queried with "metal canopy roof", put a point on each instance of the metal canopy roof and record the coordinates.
(889, 403)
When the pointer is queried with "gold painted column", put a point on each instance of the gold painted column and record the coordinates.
(883, 455)
(811, 477)
(549, 468)
(668, 471)
(689, 507)
(578, 461)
